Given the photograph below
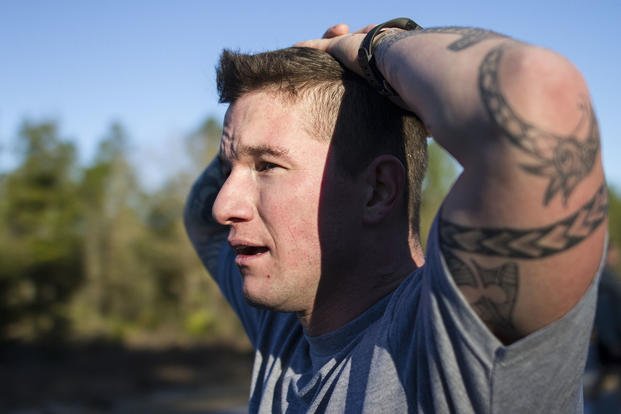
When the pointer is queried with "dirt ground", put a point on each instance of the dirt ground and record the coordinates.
(111, 378)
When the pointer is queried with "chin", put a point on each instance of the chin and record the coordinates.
(272, 304)
(258, 300)
(259, 303)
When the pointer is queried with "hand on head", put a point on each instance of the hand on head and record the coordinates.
(340, 43)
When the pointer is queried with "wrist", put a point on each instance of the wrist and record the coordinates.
(367, 59)
(384, 40)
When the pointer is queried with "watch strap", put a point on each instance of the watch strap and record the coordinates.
(366, 57)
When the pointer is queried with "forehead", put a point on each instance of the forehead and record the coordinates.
(265, 119)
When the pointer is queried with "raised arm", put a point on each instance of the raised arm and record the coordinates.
(523, 229)
(207, 235)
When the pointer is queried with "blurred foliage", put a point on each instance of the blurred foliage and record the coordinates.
(40, 235)
(441, 172)
(86, 252)
(614, 215)
(614, 225)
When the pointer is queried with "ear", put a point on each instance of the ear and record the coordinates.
(385, 181)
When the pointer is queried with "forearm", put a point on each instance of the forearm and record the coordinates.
(474, 88)
(435, 82)
(206, 234)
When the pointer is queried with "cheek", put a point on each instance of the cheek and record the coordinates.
(289, 212)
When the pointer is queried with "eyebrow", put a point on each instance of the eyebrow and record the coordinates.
(257, 151)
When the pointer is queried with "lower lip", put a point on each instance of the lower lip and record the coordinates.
(247, 259)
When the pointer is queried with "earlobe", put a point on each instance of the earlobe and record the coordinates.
(385, 179)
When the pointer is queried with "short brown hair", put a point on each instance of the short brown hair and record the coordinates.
(360, 123)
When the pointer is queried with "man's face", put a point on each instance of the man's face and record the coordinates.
(271, 199)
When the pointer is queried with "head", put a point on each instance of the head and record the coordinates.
(301, 135)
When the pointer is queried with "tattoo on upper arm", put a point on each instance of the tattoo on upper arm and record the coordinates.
(564, 160)
(492, 292)
(533, 243)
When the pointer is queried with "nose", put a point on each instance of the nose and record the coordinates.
(234, 201)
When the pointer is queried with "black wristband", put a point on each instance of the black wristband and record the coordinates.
(366, 58)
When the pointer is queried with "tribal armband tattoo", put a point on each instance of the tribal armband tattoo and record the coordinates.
(533, 243)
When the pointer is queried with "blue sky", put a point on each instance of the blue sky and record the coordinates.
(150, 64)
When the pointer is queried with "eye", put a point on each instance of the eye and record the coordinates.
(265, 166)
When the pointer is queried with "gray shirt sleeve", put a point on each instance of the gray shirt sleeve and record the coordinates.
(455, 364)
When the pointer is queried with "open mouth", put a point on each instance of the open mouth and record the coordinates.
(250, 250)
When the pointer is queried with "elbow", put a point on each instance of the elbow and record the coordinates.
(545, 86)
(194, 209)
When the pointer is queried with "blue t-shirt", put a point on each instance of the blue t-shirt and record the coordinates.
(420, 349)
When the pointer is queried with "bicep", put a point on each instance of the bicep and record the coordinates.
(523, 229)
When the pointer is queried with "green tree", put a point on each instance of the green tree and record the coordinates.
(206, 312)
(118, 293)
(614, 215)
(441, 173)
(40, 264)
(203, 144)
(144, 280)
(614, 220)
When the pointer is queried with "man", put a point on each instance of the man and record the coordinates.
(319, 204)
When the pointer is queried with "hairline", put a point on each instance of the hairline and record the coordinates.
(309, 109)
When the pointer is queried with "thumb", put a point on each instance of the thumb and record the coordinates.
(336, 30)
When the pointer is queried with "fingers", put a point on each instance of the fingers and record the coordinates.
(336, 30)
(366, 29)
(341, 44)
(342, 29)
(321, 44)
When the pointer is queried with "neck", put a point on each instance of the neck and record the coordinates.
(416, 251)
(344, 299)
